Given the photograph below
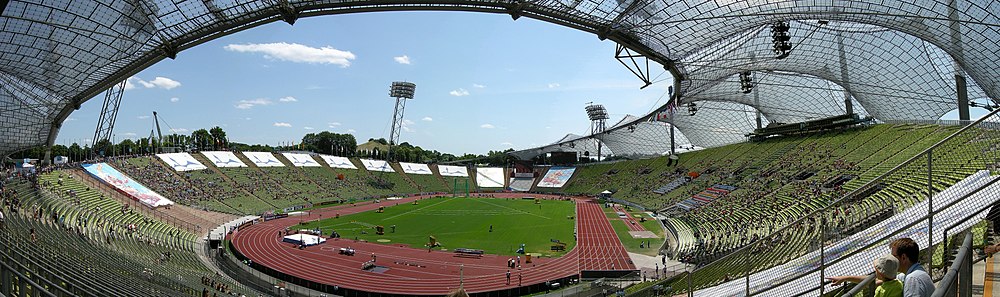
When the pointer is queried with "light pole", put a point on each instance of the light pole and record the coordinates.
(402, 91)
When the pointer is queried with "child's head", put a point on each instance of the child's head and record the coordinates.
(886, 267)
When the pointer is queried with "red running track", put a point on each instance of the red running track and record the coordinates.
(598, 245)
(629, 220)
(419, 272)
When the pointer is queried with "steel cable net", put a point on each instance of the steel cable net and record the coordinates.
(632, 138)
(968, 30)
(892, 74)
(841, 233)
(783, 97)
(716, 123)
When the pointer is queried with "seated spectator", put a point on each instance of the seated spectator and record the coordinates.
(886, 268)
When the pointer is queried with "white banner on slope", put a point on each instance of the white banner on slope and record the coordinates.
(224, 159)
(377, 165)
(263, 159)
(301, 160)
(181, 161)
(861, 263)
(489, 177)
(338, 162)
(415, 168)
(446, 170)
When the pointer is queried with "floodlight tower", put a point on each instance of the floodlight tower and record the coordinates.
(598, 119)
(402, 91)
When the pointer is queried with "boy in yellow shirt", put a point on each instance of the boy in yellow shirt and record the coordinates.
(886, 268)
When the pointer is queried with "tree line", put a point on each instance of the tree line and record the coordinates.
(328, 143)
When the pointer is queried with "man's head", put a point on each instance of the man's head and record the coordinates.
(906, 251)
(886, 267)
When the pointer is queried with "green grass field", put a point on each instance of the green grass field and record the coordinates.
(464, 223)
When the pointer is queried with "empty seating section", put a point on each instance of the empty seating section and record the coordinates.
(340, 183)
(705, 197)
(222, 187)
(388, 183)
(94, 242)
(429, 182)
(765, 196)
(522, 184)
(296, 184)
(672, 185)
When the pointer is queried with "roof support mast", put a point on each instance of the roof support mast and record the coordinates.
(106, 122)
(159, 134)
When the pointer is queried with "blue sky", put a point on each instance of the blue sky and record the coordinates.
(484, 82)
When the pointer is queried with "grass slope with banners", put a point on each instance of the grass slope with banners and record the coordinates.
(463, 223)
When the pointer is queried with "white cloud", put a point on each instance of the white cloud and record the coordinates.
(487, 126)
(506, 144)
(351, 131)
(280, 124)
(408, 129)
(478, 86)
(407, 122)
(460, 92)
(247, 119)
(404, 59)
(247, 104)
(307, 128)
(175, 99)
(427, 119)
(333, 124)
(143, 117)
(288, 99)
(178, 130)
(157, 82)
(294, 52)
(165, 83)
(554, 85)
(69, 119)
(129, 134)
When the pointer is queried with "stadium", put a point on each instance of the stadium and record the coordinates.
(798, 142)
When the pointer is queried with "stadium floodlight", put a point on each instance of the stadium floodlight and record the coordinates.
(780, 38)
(692, 108)
(598, 120)
(401, 90)
(596, 112)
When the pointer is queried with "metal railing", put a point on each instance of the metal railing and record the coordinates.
(814, 245)
(959, 274)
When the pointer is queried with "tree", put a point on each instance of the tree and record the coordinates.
(202, 139)
(126, 146)
(218, 138)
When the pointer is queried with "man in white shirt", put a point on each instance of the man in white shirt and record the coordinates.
(916, 281)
